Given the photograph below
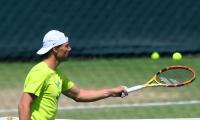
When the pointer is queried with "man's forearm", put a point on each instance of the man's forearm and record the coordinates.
(83, 95)
(92, 95)
(24, 112)
(24, 106)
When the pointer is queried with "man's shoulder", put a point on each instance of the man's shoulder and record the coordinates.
(38, 72)
(40, 67)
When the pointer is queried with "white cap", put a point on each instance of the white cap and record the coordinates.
(52, 39)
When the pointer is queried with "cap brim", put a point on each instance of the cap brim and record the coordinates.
(42, 51)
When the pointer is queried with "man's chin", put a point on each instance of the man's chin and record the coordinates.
(63, 59)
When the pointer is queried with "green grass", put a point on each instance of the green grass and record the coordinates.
(98, 73)
(183, 111)
(13, 74)
(117, 71)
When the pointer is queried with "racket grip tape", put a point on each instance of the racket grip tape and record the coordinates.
(132, 89)
(135, 88)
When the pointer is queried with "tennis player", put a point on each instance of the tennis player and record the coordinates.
(45, 82)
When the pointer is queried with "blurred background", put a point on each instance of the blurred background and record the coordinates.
(111, 41)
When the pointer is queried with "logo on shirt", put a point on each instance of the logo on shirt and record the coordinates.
(57, 84)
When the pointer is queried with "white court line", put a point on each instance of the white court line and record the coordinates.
(117, 105)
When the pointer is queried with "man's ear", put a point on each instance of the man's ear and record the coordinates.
(54, 49)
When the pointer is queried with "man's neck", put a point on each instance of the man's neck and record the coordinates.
(51, 62)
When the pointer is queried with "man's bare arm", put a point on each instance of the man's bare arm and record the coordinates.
(25, 105)
(83, 95)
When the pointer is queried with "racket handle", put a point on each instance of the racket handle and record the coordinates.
(132, 89)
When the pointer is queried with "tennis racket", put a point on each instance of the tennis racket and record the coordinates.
(172, 76)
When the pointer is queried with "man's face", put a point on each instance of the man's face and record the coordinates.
(62, 51)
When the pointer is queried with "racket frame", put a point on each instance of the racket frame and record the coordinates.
(154, 83)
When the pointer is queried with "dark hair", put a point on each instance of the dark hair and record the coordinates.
(46, 55)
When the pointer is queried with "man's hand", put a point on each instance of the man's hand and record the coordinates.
(118, 91)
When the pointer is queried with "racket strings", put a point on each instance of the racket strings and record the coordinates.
(174, 76)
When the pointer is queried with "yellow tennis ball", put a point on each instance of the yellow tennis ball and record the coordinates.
(155, 55)
(176, 56)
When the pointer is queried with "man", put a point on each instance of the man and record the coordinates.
(45, 82)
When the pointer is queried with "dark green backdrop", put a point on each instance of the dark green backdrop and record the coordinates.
(100, 27)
